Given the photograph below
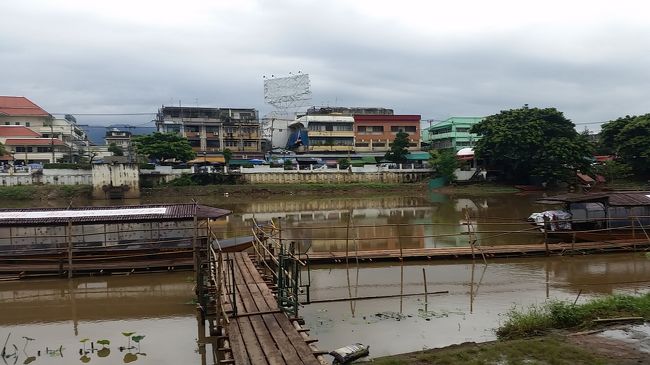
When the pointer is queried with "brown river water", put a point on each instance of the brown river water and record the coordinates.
(57, 314)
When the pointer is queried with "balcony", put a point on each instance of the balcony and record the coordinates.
(331, 148)
(331, 133)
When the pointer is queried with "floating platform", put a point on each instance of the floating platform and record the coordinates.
(512, 250)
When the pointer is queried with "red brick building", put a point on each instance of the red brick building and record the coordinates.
(375, 133)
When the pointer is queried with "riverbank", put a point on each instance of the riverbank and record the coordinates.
(557, 349)
(540, 335)
(65, 192)
(45, 192)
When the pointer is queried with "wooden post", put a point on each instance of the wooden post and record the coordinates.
(469, 232)
(426, 294)
(573, 243)
(69, 237)
(633, 230)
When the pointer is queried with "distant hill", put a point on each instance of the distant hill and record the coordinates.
(97, 133)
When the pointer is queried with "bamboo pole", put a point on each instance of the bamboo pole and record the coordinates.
(426, 295)
(69, 230)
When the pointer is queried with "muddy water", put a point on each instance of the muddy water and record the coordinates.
(58, 314)
(62, 313)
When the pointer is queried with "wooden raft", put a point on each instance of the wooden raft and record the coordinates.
(260, 333)
(489, 251)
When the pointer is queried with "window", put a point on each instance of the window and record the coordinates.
(361, 144)
(43, 149)
(407, 129)
(7, 123)
(17, 123)
(231, 143)
(250, 144)
(194, 142)
(27, 124)
(462, 129)
(23, 149)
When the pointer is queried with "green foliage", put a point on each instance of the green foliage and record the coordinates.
(614, 170)
(3, 150)
(19, 192)
(164, 146)
(633, 142)
(344, 163)
(609, 132)
(399, 148)
(445, 163)
(556, 314)
(115, 149)
(104, 342)
(183, 180)
(227, 155)
(147, 166)
(529, 142)
(70, 166)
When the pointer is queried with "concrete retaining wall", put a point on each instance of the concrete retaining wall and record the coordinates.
(110, 180)
(313, 177)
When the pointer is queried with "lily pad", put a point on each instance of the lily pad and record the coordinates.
(137, 339)
(104, 352)
(84, 359)
(103, 342)
(129, 357)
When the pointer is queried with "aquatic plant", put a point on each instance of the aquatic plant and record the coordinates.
(539, 319)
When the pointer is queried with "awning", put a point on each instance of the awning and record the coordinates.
(418, 156)
(208, 159)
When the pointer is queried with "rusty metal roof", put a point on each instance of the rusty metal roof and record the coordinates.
(108, 214)
(619, 198)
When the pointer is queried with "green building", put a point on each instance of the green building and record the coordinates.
(453, 133)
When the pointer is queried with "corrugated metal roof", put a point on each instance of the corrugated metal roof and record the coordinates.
(622, 198)
(108, 214)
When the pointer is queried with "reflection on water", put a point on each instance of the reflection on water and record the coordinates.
(58, 314)
(477, 297)
(65, 319)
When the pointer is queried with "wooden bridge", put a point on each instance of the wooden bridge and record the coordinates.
(249, 306)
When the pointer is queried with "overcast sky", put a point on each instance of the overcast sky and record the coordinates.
(590, 59)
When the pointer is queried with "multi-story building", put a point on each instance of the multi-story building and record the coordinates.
(453, 133)
(27, 146)
(375, 133)
(325, 133)
(120, 138)
(211, 130)
(20, 111)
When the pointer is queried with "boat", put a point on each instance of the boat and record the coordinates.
(604, 216)
(108, 238)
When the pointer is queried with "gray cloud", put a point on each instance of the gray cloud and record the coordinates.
(115, 58)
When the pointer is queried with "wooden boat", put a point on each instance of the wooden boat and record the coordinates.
(104, 239)
(597, 216)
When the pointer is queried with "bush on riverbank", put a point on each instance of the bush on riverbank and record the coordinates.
(537, 320)
(44, 192)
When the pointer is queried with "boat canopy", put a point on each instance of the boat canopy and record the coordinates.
(622, 199)
(108, 214)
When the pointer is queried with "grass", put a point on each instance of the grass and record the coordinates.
(44, 192)
(538, 320)
(548, 350)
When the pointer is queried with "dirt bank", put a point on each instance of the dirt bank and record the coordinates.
(590, 348)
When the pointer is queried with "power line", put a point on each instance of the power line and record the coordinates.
(108, 114)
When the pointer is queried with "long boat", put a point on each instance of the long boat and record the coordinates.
(107, 238)
(596, 216)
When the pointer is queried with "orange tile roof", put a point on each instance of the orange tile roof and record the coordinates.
(20, 106)
(17, 131)
(33, 142)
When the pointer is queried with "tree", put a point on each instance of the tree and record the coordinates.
(115, 149)
(227, 155)
(632, 144)
(445, 163)
(528, 142)
(164, 146)
(399, 148)
(609, 131)
(3, 150)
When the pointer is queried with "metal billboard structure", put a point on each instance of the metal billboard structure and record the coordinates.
(286, 95)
